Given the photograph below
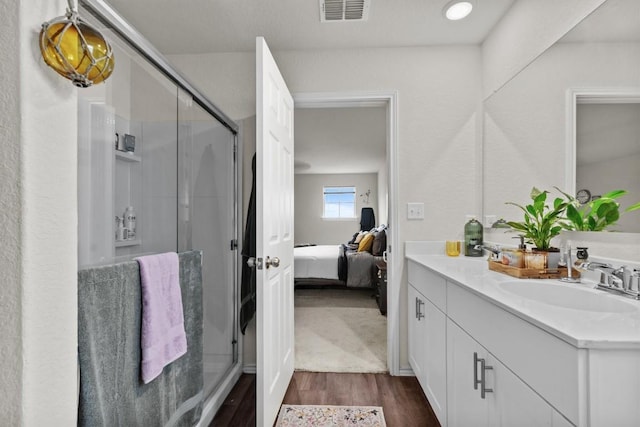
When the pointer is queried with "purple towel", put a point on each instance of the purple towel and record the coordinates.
(163, 338)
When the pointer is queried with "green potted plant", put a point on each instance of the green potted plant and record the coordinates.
(595, 215)
(542, 222)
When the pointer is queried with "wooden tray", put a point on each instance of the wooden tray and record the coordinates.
(531, 273)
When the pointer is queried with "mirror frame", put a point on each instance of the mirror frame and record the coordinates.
(597, 95)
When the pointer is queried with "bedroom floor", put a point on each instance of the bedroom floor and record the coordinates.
(339, 330)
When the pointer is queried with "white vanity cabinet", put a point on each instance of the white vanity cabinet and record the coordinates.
(427, 336)
(454, 333)
(484, 392)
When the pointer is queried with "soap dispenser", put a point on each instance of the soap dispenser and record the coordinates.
(515, 257)
(473, 238)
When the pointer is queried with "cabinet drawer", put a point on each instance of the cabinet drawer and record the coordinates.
(429, 284)
(523, 348)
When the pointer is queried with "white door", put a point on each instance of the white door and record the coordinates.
(274, 236)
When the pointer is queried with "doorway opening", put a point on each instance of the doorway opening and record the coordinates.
(347, 140)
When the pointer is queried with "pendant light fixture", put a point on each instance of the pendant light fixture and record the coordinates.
(75, 49)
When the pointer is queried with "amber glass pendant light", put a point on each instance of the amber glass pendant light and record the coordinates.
(76, 50)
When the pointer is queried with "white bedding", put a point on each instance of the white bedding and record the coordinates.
(319, 261)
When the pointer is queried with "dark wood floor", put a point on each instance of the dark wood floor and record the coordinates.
(401, 398)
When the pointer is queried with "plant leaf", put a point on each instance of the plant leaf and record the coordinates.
(574, 216)
(614, 194)
(567, 196)
(534, 193)
(633, 207)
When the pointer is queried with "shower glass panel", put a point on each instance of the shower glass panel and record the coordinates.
(145, 142)
(127, 157)
(207, 220)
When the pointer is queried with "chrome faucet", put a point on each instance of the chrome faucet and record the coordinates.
(493, 250)
(620, 279)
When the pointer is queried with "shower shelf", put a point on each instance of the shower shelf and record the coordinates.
(125, 243)
(127, 156)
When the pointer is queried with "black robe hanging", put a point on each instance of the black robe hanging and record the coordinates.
(248, 284)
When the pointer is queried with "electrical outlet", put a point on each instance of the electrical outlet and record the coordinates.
(415, 210)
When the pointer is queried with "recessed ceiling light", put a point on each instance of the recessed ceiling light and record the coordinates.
(455, 10)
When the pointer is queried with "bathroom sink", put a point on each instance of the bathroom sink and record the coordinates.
(569, 296)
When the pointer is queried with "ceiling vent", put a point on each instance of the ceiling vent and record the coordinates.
(344, 10)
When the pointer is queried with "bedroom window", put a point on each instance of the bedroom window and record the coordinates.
(339, 202)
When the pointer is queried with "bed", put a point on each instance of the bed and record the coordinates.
(342, 265)
(332, 265)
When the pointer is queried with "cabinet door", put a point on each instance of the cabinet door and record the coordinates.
(465, 406)
(435, 359)
(510, 402)
(515, 403)
(416, 334)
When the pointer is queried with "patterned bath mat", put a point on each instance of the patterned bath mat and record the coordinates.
(330, 416)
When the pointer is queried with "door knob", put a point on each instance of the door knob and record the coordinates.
(255, 263)
(272, 262)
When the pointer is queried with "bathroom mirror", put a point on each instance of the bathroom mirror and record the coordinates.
(529, 127)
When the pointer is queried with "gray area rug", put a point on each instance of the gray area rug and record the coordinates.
(339, 330)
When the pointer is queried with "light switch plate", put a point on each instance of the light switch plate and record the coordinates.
(415, 210)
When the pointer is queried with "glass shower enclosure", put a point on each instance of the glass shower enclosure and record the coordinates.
(157, 172)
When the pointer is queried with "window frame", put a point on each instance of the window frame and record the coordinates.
(324, 203)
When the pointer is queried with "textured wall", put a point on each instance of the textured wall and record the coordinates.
(10, 213)
(38, 222)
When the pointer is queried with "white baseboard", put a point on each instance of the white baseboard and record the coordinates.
(406, 372)
(249, 368)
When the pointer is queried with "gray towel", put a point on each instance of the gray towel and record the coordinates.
(109, 320)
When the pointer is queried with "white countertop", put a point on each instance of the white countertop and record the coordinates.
(580, 328)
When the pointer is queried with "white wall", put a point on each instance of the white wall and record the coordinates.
(310, 227)
(438, 91)
(528, 29)
(38, 307)
(10, 219)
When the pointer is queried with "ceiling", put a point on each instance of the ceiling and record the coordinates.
(208, 26)
(340, 140)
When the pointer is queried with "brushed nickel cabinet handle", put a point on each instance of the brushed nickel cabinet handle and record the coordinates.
(482, 381)
(476, 381)
(483, 368)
